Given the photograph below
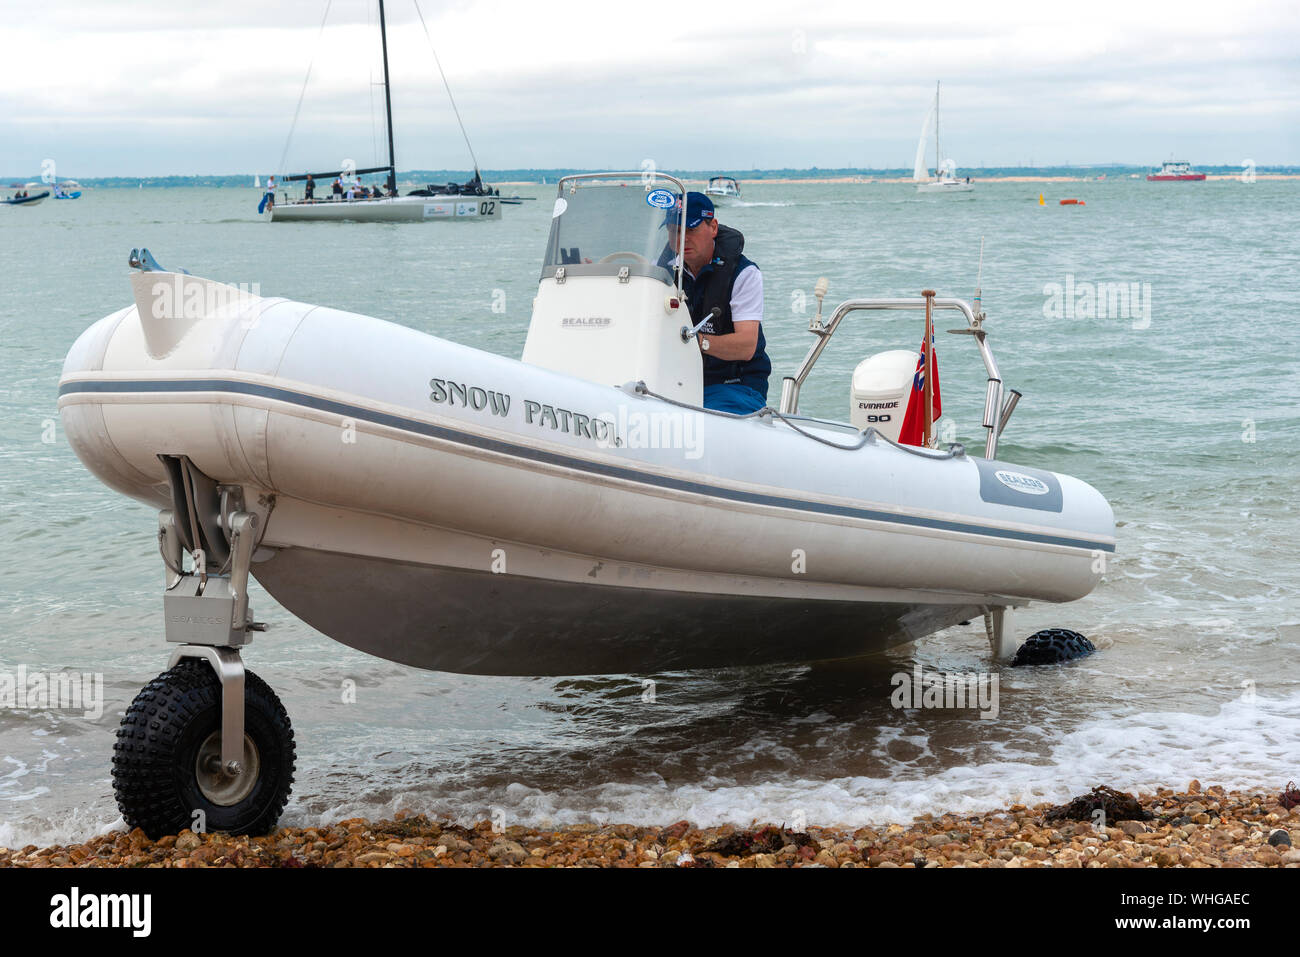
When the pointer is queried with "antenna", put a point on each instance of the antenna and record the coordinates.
(819, 290)
(979, 282)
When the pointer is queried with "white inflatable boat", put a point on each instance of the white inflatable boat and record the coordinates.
(575, 512)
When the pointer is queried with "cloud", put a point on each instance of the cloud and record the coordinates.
(147, 88)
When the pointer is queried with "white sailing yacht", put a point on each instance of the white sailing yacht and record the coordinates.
(945, 171)
(470, 202)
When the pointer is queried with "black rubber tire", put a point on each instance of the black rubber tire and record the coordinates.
(158, 742)
(1052, 645)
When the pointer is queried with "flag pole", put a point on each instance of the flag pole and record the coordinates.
(927, 348)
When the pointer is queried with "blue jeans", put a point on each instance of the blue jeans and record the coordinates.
(733, 397)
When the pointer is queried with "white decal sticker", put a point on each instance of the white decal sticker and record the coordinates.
(660, 199)
(1021, 482)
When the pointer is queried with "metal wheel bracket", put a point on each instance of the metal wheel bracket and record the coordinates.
(213, 610)
(997, 625)
(229, 668)
(209, 606)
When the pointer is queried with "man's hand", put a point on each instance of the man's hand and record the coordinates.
(739, 345)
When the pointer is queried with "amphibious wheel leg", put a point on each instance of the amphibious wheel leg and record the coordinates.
(997, 621)
(206, 745)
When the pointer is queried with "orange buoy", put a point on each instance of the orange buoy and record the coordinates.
(1073, 202)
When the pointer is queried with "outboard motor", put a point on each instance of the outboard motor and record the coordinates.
(881, 387)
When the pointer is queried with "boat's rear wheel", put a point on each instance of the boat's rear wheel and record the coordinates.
(1052, 645)
(167, 759)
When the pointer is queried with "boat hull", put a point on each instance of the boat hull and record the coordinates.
(402, 209)
(1182, 178)
(476, 622)
(452, 509)
(27, 200)
(939, 188)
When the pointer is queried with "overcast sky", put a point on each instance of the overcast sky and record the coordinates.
(156, 87)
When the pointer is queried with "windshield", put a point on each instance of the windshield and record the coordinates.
(611, 222)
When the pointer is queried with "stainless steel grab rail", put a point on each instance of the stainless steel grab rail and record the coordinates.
(996, 410)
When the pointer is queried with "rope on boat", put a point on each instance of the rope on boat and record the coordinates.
(865, 437)
(279, 170)
(446, 85)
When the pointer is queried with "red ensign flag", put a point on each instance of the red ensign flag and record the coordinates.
(914, 416)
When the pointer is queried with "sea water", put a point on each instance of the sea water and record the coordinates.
(1180, 401)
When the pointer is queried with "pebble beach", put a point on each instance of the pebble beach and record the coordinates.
(1193, 828)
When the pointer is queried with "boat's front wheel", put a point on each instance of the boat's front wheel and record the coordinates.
(167, 771)
(1052, 645)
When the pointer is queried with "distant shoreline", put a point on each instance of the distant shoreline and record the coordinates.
(514, 179)
(864, 180)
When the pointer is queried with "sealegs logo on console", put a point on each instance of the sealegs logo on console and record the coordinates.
(1021, 482)
(586, 321)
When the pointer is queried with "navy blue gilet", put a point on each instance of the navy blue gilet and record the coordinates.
(713, 288)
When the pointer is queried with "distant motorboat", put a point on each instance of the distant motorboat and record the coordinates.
(26, 200)
(945, 171)
(67, 190)
(723, 190)
(1175, 172)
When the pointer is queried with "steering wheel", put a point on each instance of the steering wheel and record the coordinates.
(635, 256)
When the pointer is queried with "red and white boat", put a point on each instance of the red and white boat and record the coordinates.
(1172, 172)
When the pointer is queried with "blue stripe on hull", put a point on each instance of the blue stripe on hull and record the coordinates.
(402, 423)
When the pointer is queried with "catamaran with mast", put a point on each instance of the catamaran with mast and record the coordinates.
(945, 171)
(452, 202)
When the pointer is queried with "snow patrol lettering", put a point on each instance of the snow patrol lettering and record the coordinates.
(598, 429)
(602, 430)
(468, 396)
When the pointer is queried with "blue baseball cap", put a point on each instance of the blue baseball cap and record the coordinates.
(698, 208)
